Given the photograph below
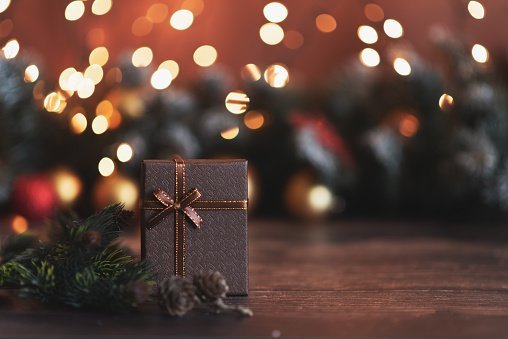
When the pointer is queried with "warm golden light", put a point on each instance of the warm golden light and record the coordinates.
(445, 101)
(157, 13)
(142, 57)
(276, 76)
(161, 79)
(476, 10)
(320, 198)
(115, 120)
(393, 28)
(4, 4)
(31, 73)
(19, 224)
(293, 39)
(369, 57)
(237, 102)
(64, 79)
(253, 120)
(105, 107)
(85, 88)
(326, 23)
(124, 152)
(271, 33)
(205, 56)
(230, 133)
(95, 73)
(67, 186)
(275, 12)
(480, 53)
(101, 7)
(195, 6)
(141, 26)
(99, 56)
(367, 34)
(11, 49)
(409, 125)
(100, 124)
(78, 123)
(171, 66)
(74, 10)
(402, 66)
(181, 19)
(75, 80)
(251, 72)
(106, 167)
(52, 102)
(374, 12)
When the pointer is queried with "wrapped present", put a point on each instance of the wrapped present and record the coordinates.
(194, 218)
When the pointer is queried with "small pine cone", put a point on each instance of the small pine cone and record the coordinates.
(210, 286)
(177, 295)
(92, 239)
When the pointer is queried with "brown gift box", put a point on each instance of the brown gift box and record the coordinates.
(194, 219)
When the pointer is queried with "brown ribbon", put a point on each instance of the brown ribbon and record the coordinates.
(184, 204)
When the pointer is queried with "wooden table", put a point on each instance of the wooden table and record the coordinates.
(347, 279)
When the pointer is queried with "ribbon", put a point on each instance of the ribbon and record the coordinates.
(184, 204)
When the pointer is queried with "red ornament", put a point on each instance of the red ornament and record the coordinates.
(34, 197)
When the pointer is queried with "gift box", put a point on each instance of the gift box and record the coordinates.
(194, 219)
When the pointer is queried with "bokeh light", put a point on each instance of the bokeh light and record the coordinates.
(161, 78)
(253, 120)
(67, 186)
(53, 102)
(4, 4)
(275, 12)
(171, 66)
(476, 10)
(181, 19)
(251, 72)
(445, 102)
(326, 23)
(142, 57)
(367, 34)
(31, 73)
(101, 7)
(79, 123)
(230, 133)
(124, 152)
(85, 88)
(393, 28)
(105, 107)
(276, 76)
(141, 26)
(106, 167)
(19, 224)
(237, 102)
(195, 6)
(374, 12)
(64, 79)
(293, 39)
(402, 66)
(320, 198)
(480, 53)
(74, 10)
(11, 49)
(271, 33)
(157, 12)
(409, 125)
(95, 73)
(205, 56)
(100, 124)
(369, 57)
(99, 56)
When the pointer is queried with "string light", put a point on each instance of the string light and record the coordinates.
(105, 107)
(367, 34)
(393, 28)
(275, 12)
(101, 7)
(64, 78)
(276, 76)
(480, 53)
(171, 66)
(19, 224)
(74, 10)
(157, 13)
(53, 102)
(95, 73)
(78, 123)
(409, 125)
(31, 73)
(106, 167)
(254, 120)
(85, 88)
(271, 33)
(67, 186)
(99, 56)
(205, 56)
(445, 101)
(237, 102)
(142, 57)
(230, 133)
(293, 39)
(476, 10)
(100, 124)
(369, 57)
(320, 198)
(11, 49)
(181, 19)
(4, 4)
(251, 72)
(374, 12)
(161, 79)
(326, 23)
(402, 66)
(124, 152)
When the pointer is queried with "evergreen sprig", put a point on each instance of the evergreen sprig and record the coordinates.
(81, 265)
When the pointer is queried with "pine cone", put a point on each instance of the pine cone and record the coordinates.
(177, 295)
(210, 286)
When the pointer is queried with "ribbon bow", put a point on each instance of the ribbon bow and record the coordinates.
(180, 205)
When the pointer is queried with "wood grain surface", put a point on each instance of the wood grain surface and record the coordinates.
(347, 279)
